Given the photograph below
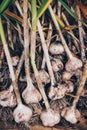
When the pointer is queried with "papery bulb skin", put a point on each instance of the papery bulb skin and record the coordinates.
(66, 75)
(57, 65)
(73, 64)
(56, 49)
(71, 115)
(50, 117)
(22, 113)
(45, 78)
(31, 95)
(8, 98)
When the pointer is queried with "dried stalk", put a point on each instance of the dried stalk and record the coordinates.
(9, 35)
(76, 41)
(1, 57)
(59, 9)
(46, 54)
(81, 35)
(20, 34)
(18, 7)
(26, 44)
(81, 86)
(9, 60)
(48, 43)
(19, 66)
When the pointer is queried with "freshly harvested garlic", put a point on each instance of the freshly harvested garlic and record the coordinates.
(57, 65)
(50, 117)
(60, 91)
(71, 115)
(73, 64)
(7, 98)
(45, 78)
(67, 75)
(31, 95)
(56, 49)
(22, 113)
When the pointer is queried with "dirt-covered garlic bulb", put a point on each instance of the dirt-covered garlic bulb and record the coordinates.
(7, 98)
(67, 75)
(73, 64)
(50, 117)
(56, 49)
(71, 115)
(45, 78)
(31, 94)
(60, 91)
(57, 65)
(57, 92)
(22, 113)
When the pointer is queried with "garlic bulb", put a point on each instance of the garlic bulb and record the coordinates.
(57, 93)
(50, 117)
(45, 78)
(7, 98)
(73, 64)
(31, 95)
(56, 49)
(67, 75)
(60, 91)
(22, 113)
(71, 115)
(57, 65)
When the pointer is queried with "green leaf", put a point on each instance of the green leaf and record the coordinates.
(34, 14)
(2, 32)
(4, 5)
(71, 13)
(11, 19)
(43, 7)
(68, 9)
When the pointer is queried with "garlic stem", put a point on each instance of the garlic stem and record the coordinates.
(46, 54)
(81, 86)
(69, 54)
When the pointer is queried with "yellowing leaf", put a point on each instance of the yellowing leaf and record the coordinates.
(60, 21)
(43, 8)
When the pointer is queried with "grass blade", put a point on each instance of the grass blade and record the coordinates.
(43, 8)
(5, 4)
(67, 8)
